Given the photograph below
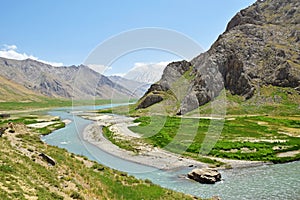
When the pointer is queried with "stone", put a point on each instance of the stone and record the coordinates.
(205, 176)
(47, 158)
(149, 101)
(2, 130)
(4, 115)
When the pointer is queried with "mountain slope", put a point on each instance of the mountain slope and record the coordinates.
(10, 91)
(137, 88)
(260, 47)
(146, 72)
(78, 82)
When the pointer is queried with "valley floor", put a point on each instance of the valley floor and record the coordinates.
(141, 152)
(31, 169)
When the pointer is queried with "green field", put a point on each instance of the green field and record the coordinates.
(258, 129)
(259, 138)
(50, 103)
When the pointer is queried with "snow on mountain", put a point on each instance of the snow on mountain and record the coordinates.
(146, 72)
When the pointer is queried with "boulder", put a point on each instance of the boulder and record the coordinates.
(2, 130)
(4, 115)
(206, 176)
(49, 160)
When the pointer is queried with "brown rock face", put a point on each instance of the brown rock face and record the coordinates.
(150, 100)
(259, 47)
(206, 176)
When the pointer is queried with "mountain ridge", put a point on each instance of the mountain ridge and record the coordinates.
(260, 46)
(79, 82)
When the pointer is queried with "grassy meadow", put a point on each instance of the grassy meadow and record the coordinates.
(259, 138)
(263, 128)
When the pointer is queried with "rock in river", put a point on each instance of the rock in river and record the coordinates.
(207, 176)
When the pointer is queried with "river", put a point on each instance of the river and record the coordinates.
(279, 181)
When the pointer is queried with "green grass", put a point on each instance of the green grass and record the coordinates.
(269, 100)
(22, 175)
(174, 134)
(24, 120)
(122, 144)
(48, 129)
(45, 102)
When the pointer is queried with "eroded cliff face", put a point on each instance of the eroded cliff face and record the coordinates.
(261, 46)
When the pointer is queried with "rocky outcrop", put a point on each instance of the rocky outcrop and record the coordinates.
(259, 47)
(149, 101)
(205, 176)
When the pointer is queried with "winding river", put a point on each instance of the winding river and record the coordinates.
(265, 182)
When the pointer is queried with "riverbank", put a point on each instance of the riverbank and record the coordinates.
(272, 181)
(148, 155)
(32, 169)
(154, 157)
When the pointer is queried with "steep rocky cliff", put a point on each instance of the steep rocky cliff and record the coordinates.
(261, 46)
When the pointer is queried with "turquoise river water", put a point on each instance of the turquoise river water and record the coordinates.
(280, 181)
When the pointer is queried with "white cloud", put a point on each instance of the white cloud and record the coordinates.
(11, 47)
(99, 68)
(10, 51)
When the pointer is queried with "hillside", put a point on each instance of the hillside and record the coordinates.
(10, 91)
(78, 82)
(259, 48)
(138, 89)
(146, 73)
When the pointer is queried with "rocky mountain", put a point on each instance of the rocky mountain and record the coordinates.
(79, 82)
(138, 89)
(10, 91)
(260, 47)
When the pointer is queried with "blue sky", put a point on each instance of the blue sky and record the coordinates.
(67, 31)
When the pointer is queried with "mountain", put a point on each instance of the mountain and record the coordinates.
(137, 88)
(10, 91)
(146, 72)
(79, 82)
(260, 47)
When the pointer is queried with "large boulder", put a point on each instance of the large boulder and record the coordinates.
(47, 158)
(206, 176)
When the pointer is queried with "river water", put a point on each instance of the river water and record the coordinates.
(280, 181)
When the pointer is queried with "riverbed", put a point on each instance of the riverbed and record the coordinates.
(264, 182)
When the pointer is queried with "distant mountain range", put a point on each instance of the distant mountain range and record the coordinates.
(146, 72)
(137, 88)
(78, 82)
